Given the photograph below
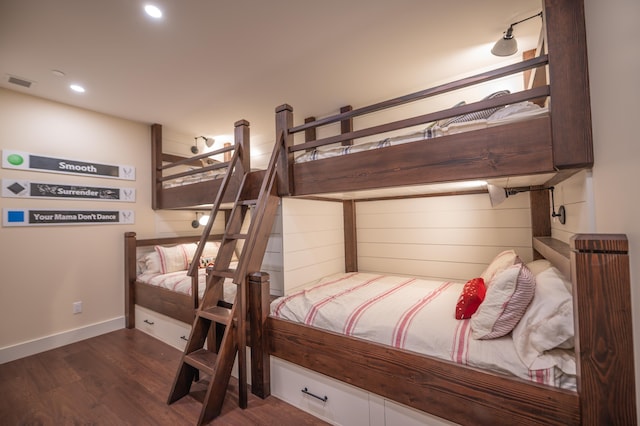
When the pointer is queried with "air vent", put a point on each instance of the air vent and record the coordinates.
(20, 81)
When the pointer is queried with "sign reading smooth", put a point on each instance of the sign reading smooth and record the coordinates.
(26, 161)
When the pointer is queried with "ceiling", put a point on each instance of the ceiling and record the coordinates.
(208, 63)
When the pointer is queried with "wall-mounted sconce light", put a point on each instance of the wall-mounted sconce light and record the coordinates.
(207, 141)
(497, 195)
(201, 219)
(204, 219)
(507, 45)
(195, 223)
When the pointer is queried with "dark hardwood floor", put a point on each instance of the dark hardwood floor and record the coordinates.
(120, 378)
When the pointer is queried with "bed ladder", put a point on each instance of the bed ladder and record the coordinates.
(216, 358)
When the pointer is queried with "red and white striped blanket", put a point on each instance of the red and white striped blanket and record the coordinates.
(408, 313)
(180, 282)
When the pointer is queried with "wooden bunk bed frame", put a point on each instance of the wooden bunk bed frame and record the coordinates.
(199, 193)
(465, 395)
(599, 264)
(175, 305)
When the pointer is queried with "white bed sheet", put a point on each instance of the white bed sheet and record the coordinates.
(180, 282)
(408, 313)
(509, 114)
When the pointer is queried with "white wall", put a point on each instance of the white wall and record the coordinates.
(47, 268)
(614, 67)
(444, 238)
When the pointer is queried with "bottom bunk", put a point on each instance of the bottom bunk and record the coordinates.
(156, 276)
(603, 355)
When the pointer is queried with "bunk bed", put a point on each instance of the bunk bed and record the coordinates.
(557, 142)
(179, 183)
(467, 395)
(188, 182)
(166, 290)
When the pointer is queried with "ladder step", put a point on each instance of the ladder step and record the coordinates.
(236, 236)
(217, 314)
(203, 360)
(227, 273)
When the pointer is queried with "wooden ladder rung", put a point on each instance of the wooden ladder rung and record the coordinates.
(236, 236)
(203, 360)
(227, 273)
(217, 314)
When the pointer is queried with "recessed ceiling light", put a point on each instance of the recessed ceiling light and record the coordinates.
(57, 73)
(153, 11)
(77, 88)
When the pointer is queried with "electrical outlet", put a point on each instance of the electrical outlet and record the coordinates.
(77, 307)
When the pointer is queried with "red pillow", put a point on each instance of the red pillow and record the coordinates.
(470, 299)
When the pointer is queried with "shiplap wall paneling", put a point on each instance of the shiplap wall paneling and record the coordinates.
(273, 261)
(573, 195)
(313, 240)
(447, 237)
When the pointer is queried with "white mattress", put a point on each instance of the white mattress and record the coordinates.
(407, 313)
(509, 114)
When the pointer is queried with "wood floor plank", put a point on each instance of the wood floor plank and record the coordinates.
(120, 378)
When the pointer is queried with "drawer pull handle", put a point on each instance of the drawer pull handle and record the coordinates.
(149, 322)
(323, 399)
(184, 338)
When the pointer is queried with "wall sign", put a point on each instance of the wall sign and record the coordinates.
(26, 161)
(35, 217)
(14, 188)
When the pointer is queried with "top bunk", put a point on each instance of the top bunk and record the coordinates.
(542, 145)
(540, 130)
(181, 182)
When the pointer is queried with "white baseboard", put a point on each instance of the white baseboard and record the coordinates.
(21, 350)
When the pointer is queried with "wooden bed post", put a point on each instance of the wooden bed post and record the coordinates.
(129, 275)
(259, 286)
(310, 133)
(604, 339)
(241, 137)
(566, 46)
(156, 164)
(350, 236)
(346, 126)
(284, 121)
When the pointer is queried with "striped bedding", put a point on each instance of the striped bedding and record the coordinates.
(180, 282)
(407, 313)
(199, 177)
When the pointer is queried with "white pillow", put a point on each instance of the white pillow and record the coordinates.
(190, 250)
(210, 249)
(149, 263)
(504, 304)
(172, 258)
(547, 324)
(538, 266)
(512, 109)
(499, 263)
